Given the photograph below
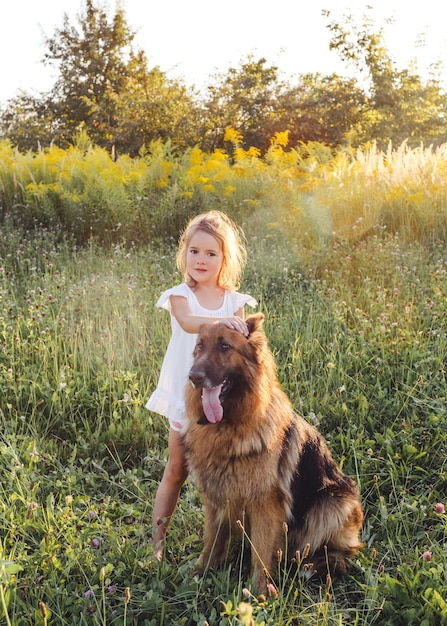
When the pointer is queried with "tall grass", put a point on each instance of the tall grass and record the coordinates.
(357, 323)
(307, 192)
(402, 190)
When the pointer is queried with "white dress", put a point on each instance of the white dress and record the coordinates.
(168, 397)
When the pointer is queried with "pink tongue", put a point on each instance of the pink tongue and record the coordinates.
(211, 405)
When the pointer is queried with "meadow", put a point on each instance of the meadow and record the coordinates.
(347, 259)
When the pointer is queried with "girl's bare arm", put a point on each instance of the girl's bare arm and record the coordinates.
(191, 323)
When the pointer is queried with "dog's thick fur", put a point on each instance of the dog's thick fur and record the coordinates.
(261, 463)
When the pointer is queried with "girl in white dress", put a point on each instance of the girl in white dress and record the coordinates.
(211, 257)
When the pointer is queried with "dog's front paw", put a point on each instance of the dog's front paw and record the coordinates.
(199, 565)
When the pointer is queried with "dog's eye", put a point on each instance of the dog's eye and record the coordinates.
(225, 347)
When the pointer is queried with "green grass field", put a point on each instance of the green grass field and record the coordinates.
(359, 333)
(348, 261)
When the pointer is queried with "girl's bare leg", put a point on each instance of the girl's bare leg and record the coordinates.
(168, 491)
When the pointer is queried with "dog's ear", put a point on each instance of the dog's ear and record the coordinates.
(254, 322)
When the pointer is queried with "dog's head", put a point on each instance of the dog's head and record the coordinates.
(223, 361)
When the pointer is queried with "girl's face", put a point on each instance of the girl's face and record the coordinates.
(204, 258)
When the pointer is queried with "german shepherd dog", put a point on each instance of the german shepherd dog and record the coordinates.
(258, 464)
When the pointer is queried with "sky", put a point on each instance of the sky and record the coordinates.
(195, 39)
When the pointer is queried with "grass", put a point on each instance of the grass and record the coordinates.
(358, 330)
(347, 261)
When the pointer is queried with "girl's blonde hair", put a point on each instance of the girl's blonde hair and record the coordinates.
(231, 241)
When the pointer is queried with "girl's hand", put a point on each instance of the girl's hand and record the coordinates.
(235, 323)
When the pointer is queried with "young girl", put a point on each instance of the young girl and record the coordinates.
(211, 257)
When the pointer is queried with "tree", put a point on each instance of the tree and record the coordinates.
(151, 107)
(243, 98)
(319, 109)
(254, 102)
(93, 64)
(399, 106)
(104, 88)
(28, 122)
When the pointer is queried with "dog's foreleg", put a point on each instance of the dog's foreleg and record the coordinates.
(266, 538)
(216, 536)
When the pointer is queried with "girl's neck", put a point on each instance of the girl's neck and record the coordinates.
(210, 296)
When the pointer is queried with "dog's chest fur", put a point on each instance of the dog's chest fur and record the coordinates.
(241, 464)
